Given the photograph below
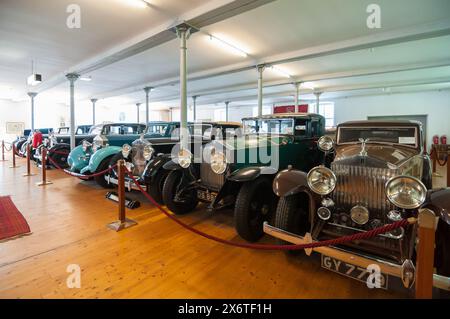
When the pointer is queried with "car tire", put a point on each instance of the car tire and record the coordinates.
(255, 204)
(60, 159)
(168, 195)
(155, 190)
(100, 180)
(292, 217)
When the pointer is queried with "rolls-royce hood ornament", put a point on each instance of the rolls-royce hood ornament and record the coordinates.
(363, 147)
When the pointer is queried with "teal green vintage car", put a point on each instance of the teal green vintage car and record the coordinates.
(89, 158)
(238, 172)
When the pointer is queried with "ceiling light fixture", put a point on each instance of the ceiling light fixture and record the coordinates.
(86, 78)
(34, 78)
(137, 3)
(279, 71)
(227, 46)
(308, 85)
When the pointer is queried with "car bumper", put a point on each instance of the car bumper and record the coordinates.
(129, 183)
(403, 272)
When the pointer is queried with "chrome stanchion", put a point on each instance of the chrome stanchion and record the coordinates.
(123, 221)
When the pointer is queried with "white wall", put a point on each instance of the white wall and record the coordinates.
(435, 104)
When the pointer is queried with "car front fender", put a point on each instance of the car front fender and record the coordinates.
(438, 200)
(154, 166)
(78, 159)
(289, 182)
(247, 174)
(99, 156)
(171, 166)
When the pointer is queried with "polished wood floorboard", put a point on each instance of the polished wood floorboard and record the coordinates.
(155, 259)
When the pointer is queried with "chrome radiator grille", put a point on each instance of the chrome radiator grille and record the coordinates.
(211, 179)
(362, 185)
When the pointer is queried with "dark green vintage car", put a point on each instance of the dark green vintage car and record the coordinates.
(238, 172)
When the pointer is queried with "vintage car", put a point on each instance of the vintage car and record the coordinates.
(146, 157)
(18, 142)
(94, 157)
(22, 151)
(238, 172)
(58, 143)
(380, 174)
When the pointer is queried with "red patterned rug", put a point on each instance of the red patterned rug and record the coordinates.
(12, 222)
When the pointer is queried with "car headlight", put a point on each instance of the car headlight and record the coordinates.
(218, 163)
(184, 158)
(148, 152)
(86, 146)
(126, 150)
(321, 180)
(406, 192)
(325, 143)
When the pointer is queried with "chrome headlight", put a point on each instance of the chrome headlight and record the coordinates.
(406, 192)
(184, 158)
(148, 152)
(126, 150)
(86, 145)
(218, 163)
(321, 180)
(325, 143)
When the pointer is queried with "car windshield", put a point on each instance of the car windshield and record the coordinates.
(269, 126)
(396, 135)
(63, 130)
(157, 129)
(123, 129)
(95, 130)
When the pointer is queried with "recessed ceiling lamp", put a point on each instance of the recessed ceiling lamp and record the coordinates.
(34, 78)
(86, 78)
(226, 46)
(308, 85)
(279, 71)
(137, 3)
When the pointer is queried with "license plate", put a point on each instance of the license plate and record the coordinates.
(206, 196)
(355, 272)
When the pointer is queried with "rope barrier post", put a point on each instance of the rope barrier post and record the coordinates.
(3, 152)
(448, 171)
(434, 158)
(123, 221)
(14, 157)
(44, 169)
(28, 173)
(425, 254)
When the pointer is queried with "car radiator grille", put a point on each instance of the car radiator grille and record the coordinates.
(209, 178)
(359, 185)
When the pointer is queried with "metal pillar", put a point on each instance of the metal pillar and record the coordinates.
(317, 94)
(297, 92)
(194, 106)
(147, 90)
(260, 68)
(137, 114)
(226, 110)
(72, 77)
(183, 32)
(93, 110)
(32, 96)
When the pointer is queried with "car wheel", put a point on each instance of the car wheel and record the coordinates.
(255, 204)
(170, 189)
(292, 216)
(100, 180)
(442, 257)
(155, 190)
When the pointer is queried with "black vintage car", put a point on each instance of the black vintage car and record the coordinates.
(146, 156)
(380, 175)
(238, 172)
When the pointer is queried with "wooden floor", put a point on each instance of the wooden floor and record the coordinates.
(155, 259)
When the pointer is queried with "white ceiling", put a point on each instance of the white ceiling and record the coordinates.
(283, 28)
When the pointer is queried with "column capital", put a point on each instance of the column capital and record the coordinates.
(194, 97)
(297, 84)
(148, 89)
(185, 28)
(227, 102)
(32, 94)
(261, 67)
(317, 94)
(72, 77)
(94, 101)
(138, 104)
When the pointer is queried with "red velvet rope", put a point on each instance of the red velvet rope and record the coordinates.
(437, 158)
(340, 240)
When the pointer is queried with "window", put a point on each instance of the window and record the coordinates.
(220, 115)
(326, 109)
(267, 109)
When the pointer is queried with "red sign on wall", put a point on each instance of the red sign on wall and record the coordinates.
(303, 108)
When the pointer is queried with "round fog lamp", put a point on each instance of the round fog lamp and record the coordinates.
(126, 149)
(359, 215)
(324, 213)
(406, 192)
(325, 143)
(321, 180)
(394, 216)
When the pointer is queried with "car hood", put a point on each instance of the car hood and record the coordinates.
(254, 140)
(378, 155)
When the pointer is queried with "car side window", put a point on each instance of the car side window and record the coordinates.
(314, 128)
(301, 128)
